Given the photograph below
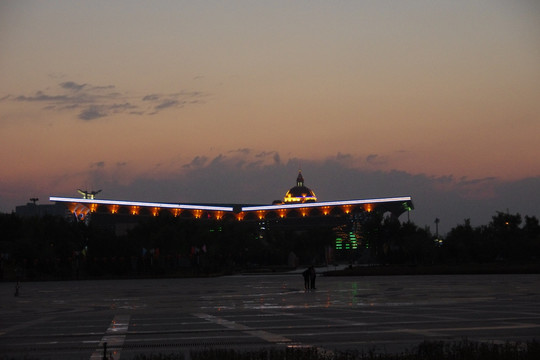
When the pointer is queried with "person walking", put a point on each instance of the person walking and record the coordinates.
(312, 276)
(307, 278)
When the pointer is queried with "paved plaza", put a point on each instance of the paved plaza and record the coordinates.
(72, 319)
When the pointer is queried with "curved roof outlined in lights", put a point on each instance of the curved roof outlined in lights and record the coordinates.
(302, 203)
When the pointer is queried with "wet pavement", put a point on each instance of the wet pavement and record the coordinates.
(72, 319)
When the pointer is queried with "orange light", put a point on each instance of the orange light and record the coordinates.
(240, 216)
(303, 211)
(93, 207)
(260, 214)
(176, 212)
(368, 207)
(219, 215)
(326, 210)
(134, 210)
(113, 209)
(155, 211)
(346, 209)
(71, 207)
(197, 213)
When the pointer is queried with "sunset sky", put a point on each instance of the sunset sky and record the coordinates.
(223, 101)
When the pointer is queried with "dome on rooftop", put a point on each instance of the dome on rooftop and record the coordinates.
(299, 193)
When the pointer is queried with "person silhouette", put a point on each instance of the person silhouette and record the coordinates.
(307, 278)
(312, 276)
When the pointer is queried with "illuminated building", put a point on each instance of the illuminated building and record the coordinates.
(299, 208)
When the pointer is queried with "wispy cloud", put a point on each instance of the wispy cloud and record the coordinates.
(158, 102)
(70, 85)
(90, 102)
(197, 161)
(40, 96)
(91, 113)
(167, 104)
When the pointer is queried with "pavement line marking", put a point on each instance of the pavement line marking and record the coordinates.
(265, 335)
(236, 326)
(114, 337)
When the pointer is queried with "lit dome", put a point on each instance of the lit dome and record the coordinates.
(299, 193)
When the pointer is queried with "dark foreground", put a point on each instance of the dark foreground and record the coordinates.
(228, 317)
(463, 350)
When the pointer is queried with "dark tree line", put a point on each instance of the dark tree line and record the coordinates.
(507, 238)
(53, 247)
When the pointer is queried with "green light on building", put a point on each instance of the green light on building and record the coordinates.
(339, 243)
(353, 241)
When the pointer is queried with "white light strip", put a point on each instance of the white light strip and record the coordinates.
(141, 204)
(227, 208)
(325, 203)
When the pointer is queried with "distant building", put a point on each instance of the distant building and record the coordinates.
(299, 202)
(299, 208)
(34, 210)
